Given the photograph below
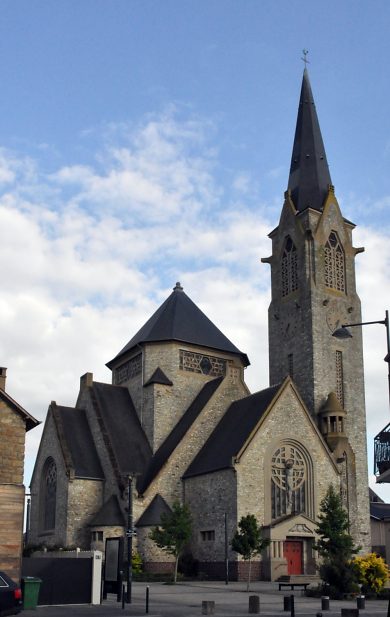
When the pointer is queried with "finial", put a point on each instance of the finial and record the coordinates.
(178, 287)
(304, 59)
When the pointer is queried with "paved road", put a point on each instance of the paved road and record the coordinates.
(185, 600)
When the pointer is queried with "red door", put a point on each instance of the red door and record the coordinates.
(293, 554)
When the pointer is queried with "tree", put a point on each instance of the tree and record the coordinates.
(248, 541)
(335, 545)
(174, 533)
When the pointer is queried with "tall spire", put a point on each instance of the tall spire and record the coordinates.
(309, 178)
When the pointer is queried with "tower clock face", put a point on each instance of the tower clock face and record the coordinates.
(289, 327)
(336, 315)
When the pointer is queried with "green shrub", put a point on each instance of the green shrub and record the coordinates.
(372, 572)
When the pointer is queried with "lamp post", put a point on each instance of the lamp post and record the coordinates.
(129, 534)
(382, 440)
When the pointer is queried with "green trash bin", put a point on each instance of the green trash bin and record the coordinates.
(30, 591)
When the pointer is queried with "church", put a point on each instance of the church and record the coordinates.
(179, 418)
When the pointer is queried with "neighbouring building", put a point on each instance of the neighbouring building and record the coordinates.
(14, 422)
(178, 415)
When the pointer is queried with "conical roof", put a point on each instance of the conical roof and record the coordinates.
(309, 178)
(179, 319)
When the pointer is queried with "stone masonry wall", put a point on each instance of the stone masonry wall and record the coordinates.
(209, 498)
(12, 440)
(49, 446)
(301, 326)
(254, 466)
(168, 482)
(84, 500)
(11, 528)
(170, 402)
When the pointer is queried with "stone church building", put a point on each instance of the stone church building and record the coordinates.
(180, 419)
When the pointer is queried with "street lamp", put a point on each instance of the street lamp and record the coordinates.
(382, 440)
(129, 534)
(343, 333)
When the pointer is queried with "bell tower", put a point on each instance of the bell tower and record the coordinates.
(313, 292)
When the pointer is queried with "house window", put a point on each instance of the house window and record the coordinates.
(97, 536)
(208, 535)
(334, 263)
(289, 268)
(49, 495)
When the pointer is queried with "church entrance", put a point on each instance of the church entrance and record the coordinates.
(293, 554)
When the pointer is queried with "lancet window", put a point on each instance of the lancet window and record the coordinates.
(49, 495)
(289, 268)
(334, 263)
(339, 378)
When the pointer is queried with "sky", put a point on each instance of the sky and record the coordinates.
(148, 142)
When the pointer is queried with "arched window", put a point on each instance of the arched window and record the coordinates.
(49, 495)
(289, 268)
(334, 263)
(291, 481)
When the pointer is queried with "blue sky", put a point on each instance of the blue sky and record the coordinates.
(145, 142)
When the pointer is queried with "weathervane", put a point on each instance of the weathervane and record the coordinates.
(304, 59)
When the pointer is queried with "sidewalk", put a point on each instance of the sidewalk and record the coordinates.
(185, 600)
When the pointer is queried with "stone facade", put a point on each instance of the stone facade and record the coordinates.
(12, 439)
(246, 489)
(14, 421)
(160, 407)
(49, 448)
(301, 324)
(84, 500)
(11, 528)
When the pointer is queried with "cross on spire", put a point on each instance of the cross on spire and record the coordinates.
(304, 59)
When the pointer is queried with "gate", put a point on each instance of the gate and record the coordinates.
(65, 580)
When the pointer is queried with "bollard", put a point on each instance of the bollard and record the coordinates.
(123, 596)
(147, 600)
(361, 602)
(208, 607)
(287, 603)
(325, 603)
(254, 604)
(292, 614)
(388, 609)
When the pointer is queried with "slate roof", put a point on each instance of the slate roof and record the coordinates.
(309, 172)
(179, 319)
(380, 510)
(76, 441)
(152, 515)
(231, 433)
(159, 377)
(31, 422)
(177, 433)
(110, 514)
(121, 424)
